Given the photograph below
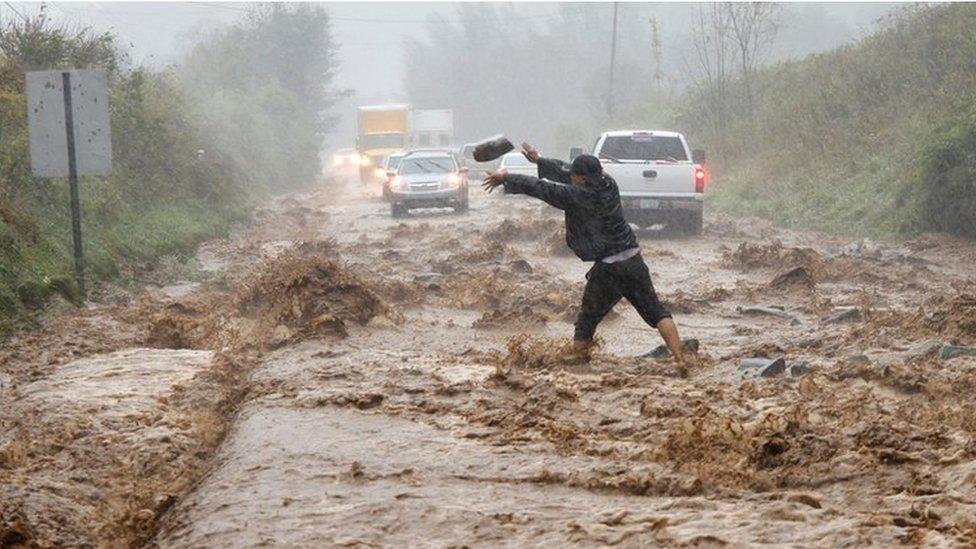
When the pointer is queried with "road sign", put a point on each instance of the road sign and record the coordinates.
(89, 113)
(67, 114)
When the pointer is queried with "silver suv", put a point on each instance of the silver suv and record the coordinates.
(428, 179)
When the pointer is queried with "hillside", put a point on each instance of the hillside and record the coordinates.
(193, 147)
(875, 138)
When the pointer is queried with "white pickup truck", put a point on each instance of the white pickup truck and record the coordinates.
(660, 179)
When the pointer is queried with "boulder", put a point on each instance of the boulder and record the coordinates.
(924, 349)
(770, 311)
(761, 367)
(428, 278)
(953, 351)
(799, 368)
(661, 351)
(852, 313)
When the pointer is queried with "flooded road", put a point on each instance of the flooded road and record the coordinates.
(404, 385)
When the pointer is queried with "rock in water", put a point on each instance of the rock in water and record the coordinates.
(521, 265)
(795, 277)
(952, 351)
(761, 367)
(661, 351)
(924, 349)
(846, 314)
(771, 311)
(428, 278)
(799, 368)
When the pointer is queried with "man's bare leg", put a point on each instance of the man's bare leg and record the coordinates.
(669, 331)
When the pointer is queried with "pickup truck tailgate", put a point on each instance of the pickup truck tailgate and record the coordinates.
(652, 178)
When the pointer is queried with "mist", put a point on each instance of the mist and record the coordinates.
(392, 52)
(487, 274)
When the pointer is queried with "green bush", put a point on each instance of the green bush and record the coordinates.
(160, 198)
(948, 176)
(866, 139)
(254, 98)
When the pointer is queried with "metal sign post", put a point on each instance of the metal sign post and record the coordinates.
(69, 127)
(67, 112)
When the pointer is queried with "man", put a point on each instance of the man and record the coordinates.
(596, 231)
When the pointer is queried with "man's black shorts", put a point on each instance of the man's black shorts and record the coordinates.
(606, 283)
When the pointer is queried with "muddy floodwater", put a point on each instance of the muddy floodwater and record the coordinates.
(331, 376)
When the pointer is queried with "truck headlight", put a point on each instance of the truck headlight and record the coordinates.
(396, 183)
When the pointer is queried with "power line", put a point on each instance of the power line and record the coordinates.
(11, 6)
(613, 59)
(374, 20)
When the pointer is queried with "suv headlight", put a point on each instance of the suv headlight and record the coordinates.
(452, 181)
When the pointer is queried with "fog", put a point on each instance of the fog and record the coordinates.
(296, 306)
(375, 55)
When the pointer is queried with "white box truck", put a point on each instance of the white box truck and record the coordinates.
(432, 128)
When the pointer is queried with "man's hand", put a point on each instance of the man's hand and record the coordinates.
(529, 152)
(494, 179)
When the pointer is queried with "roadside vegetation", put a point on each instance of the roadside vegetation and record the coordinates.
(875, 138)
(193, 146)
(872, 138)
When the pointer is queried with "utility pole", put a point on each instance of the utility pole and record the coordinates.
(656, 53)
(613, 58)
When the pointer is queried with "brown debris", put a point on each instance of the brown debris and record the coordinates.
(748, 256)
(308, 292)
(797, 277)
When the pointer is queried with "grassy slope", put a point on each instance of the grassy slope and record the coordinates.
(853, 140)
(36, 265)
(159, 201)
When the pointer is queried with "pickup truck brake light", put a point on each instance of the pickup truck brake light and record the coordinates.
(698, 174)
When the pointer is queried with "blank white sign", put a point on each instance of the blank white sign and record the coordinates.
(45, 117)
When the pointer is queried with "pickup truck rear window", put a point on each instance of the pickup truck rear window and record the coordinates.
(643, 147)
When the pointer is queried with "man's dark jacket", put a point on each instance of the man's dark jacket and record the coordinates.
(595, 226)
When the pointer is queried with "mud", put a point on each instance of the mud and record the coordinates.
(100, 436)
(443, 406)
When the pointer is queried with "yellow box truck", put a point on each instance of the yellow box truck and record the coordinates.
(383, 129)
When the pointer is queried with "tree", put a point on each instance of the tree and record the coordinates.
(656, 56)
(730, 42)
(266, 87)
(531, 75)
(753, 26)
(713, 45)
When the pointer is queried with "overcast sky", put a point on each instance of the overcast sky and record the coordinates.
(370, 34)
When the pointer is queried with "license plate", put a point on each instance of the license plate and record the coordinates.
(649, 204)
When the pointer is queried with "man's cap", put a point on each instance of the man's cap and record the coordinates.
(586, 165)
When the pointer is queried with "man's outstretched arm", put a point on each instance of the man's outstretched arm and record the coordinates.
(549, 168)
(557, 195)
(553, 170)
